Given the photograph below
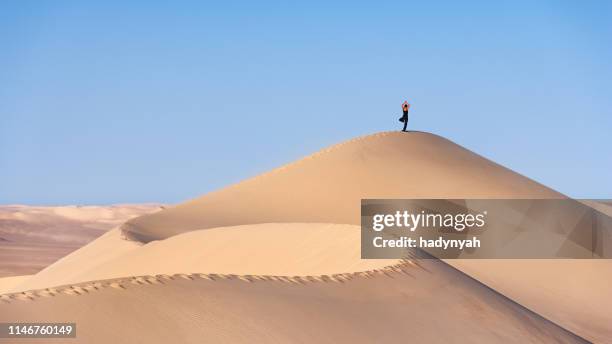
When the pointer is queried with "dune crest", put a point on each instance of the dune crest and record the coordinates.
(326, 187)
(298, 205)
(388, 305)
(280, 249)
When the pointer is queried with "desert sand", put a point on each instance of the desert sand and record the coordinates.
(283, 249)
(425, 303)
(8, 284)
(332, 300)
(326, 187)
(31, 238)
(573, 293)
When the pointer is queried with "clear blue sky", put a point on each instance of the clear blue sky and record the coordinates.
(108, 102)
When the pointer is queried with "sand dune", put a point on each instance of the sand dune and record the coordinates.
(32, 237)
(65, 224)
(603, 207)
(68, 268)
(266, 249)
(326, 187)
(574, 293)
(433, 303)
(428, 303)
(7, 284)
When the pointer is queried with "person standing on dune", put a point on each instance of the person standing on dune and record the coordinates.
(404, 118)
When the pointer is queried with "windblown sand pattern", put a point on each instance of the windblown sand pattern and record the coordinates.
(281, 249)
(274, 259)
(393, 305)
(327, 186)
(403, 267)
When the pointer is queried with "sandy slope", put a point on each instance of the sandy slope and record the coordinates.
(574, 293)
(69, 268)
(290, 249)
(326, 188)
(430, 303)
(605, 208)
(76, 225)
(7, 284)
(32, 237)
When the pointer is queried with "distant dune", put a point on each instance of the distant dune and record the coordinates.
(302, 220)
(49, 233)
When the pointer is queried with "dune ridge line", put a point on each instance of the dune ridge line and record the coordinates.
(126, 225)
(356, 173)
(77, 289)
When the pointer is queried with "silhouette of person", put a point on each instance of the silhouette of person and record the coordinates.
(404, 118)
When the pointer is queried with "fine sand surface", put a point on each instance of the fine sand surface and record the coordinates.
(426, 303)
(8, 284)
(602, 206)
(575, 293)
(282, 249)
(433, 303)
(31, 237)
(327, 187)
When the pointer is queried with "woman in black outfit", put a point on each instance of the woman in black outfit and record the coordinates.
(405, 108)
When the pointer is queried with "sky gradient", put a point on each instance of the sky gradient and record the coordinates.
(159, 102)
